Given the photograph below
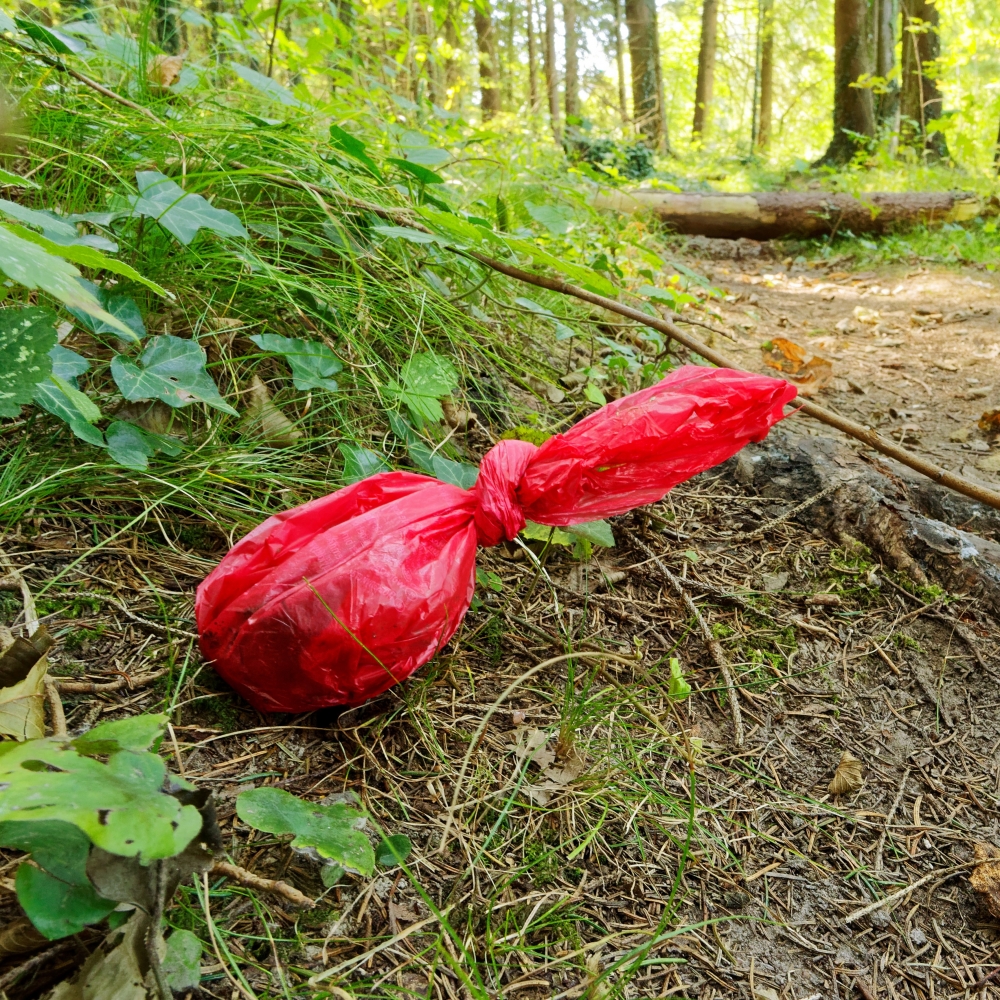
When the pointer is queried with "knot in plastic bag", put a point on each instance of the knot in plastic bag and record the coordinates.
(499, 514)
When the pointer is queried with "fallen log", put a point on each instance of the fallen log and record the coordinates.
(770, 215)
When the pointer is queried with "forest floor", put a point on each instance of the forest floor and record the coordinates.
(581, 830)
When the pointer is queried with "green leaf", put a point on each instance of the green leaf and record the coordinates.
(428, 156)
(393, 851)
(330, 875)
(60, 395)
(120, 806)
(402, 429)
(27, 263)
(137, 733)
(173, 370)
(266, 86)
(180, 213)
(563, 332)
(545, 533)
(597, 532)
(426, 378)
(53, 227)
(675, 299)
(88, 257)
(120, 306)
(56, 908)
(7, 179)
(312, 362)
(458, 229)
(182, 963)
(333, 830)
(354, 148)
(415, 170)
(594, 394)
(360, 463)
(677, 686)
(406, 233)
(557, 219)
(63, 44)
(60, 848)
(459, 474)
(489, 580)
(575, 272)
(26, 337)
(133, 446)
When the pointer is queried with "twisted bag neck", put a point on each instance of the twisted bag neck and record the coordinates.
(499, 515)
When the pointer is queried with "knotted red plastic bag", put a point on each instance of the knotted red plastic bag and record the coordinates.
(333, 602)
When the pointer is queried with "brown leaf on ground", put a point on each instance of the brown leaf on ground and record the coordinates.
(849, 775)
(809, 371)
(164, 71)
(266, 419)
(985, 877)
(989, 422)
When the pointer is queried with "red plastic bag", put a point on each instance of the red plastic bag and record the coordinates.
(333, 602)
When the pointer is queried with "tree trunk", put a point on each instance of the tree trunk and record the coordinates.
(771, 215)
(766, 74)
(509, 57)
(647, 88)
(167, 35)
(489, 99)
(572, 81)
(706, 68)
(996, 155)
(620, 61)
(887, 102)
(921, 101)
(551, 73)
(532, 60)
(853, 108)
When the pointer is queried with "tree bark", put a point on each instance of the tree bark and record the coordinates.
(771, 215)
(551, 73)
(887, 102)
(620, 61)
(532, 59)
(706, 68)
(853, 108)
(921, 100)
(766, 75)
(489, 100)
(647, 85)
(572, 82)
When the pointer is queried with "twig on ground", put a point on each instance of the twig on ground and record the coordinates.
(879, 904)
(11, 976)
(275, 886)
(96, 687)
(749, 536)
(888, 821)
(55, 707)
(711, 643)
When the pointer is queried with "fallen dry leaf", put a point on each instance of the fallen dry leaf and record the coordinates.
(164, 71)
(588, 578)
(266, 419)
(848, 777)
(985, 877)
(809, 371)
(989, 422)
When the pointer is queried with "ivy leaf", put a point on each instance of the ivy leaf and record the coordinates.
(57, 896)
(415, 170)
(594, 394)
(133, 446)
(120, 806)
(266, 86)
(54, 227)
(28, 264)
(312, 362)
(459, 474)
(137, 733)
(88, 256)
(334, 830)
(354, 148)
(393, 850)
(120, 306)
(173, 370)
(180, 213)
(426, 379)
(26, 337)
(360, 463)
(60, 395)
(182, 964)
(597, 532)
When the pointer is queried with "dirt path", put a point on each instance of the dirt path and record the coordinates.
(915, 353)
